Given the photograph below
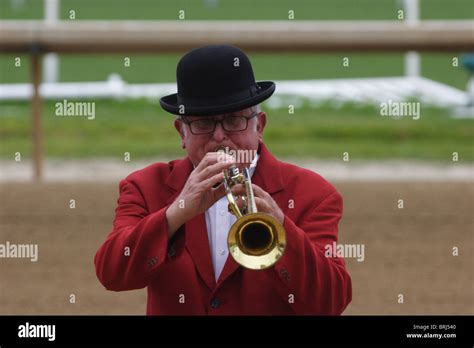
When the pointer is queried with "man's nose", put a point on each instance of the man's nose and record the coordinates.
(219, 132)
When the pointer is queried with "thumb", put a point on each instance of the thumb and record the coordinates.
(218, 192)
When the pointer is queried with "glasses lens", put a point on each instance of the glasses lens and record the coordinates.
(202, 126)
(235, 123)
(230, 124)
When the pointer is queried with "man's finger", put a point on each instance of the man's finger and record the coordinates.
(238, 189)
(208, 159)
(262, 205)
(259, 192)
(211, 158)
(213, 180)
(212, 170)
(218, 193)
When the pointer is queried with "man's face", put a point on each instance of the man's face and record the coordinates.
(197, 145)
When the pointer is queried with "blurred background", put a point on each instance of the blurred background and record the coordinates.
(335, 128)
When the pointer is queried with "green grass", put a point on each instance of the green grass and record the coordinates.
(161, 68)
(238, 9)
(145, 130)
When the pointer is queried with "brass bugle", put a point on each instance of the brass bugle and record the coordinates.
(256, 240)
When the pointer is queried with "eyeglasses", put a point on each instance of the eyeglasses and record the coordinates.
(229, 124)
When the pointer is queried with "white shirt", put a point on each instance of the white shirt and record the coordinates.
(219, 222)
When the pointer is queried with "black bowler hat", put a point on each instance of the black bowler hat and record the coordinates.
(214, 80)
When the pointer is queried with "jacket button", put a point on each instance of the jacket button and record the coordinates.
(285, 274)
(171, 251)
(215, 303)
(152, 261)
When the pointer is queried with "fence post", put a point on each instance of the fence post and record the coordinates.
(36, 106)
(412, 17)
(51, 60)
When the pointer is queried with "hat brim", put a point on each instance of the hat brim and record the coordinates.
(170, 103)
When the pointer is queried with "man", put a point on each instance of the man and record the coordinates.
(172, 218)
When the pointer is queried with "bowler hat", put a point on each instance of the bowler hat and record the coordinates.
(214, 80)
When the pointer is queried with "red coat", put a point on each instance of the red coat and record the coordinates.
(179, 274)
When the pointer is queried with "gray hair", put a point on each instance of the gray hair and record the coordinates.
(254, 109)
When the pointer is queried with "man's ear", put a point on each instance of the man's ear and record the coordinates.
(262, 122)
(179, 125)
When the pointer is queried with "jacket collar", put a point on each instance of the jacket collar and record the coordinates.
(179, 174)
(268, 172)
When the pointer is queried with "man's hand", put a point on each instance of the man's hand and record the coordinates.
(264, 202)
(198, 193)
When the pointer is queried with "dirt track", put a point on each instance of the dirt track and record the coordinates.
(407, 251)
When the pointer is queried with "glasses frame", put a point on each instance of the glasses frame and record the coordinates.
(247, 118)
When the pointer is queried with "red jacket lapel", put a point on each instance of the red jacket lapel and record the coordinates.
(197, 242)
(268, 173)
